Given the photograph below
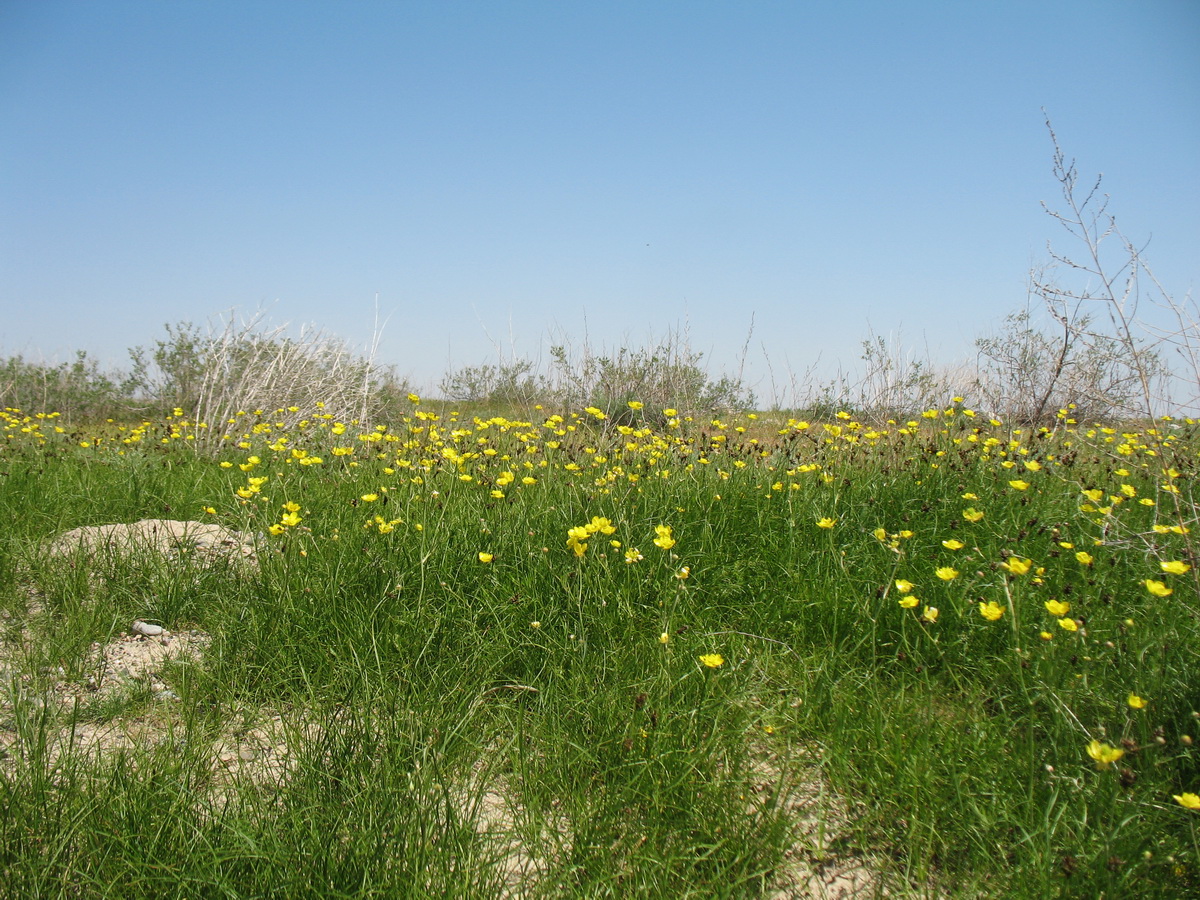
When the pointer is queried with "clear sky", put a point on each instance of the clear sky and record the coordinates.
(505, 174)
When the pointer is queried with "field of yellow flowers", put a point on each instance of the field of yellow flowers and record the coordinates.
(629, 654)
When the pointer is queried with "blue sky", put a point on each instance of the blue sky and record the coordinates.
(504, 175)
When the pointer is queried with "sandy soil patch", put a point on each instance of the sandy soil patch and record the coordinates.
(167, 536)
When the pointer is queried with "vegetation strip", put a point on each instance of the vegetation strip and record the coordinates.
(589, 654)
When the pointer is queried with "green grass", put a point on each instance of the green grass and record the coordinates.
(542, 723)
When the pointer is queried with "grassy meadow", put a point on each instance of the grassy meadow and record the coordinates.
(560, 653)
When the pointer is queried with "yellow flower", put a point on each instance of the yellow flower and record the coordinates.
(633, 555)
(486, 557)
(1187, 800)
(909, 602)
(369, 498)
(1135, 701)
(664, 638)
(880, 534)
(664, 539)
(1157, 588)
(290, 519)
(1019, 485)
(1095, 495)
(953, 544)
(1068, 624)
(713, 660)
(946, 573)
(1103, 754)
(1017, 566)
(991, 610)
(683, 573)
(971, 514)
(930, 614)
(1175, 567)
(826, 522)
(1058, 607)
(635, 404)
(601, 525)
(1085, 558)
(1045, 635)
(904, 586)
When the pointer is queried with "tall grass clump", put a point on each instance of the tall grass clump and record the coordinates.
(660, 374)
(245, 365)
(79, 390)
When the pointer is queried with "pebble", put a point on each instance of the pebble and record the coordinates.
(140, 627)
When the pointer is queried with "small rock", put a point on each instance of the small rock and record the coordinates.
(140, 627)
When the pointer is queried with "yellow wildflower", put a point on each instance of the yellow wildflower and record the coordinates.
(1058, 607)
(1157, 588)
(1187, 800)
(1017, 566)
(1103, 754)
(991, 610)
